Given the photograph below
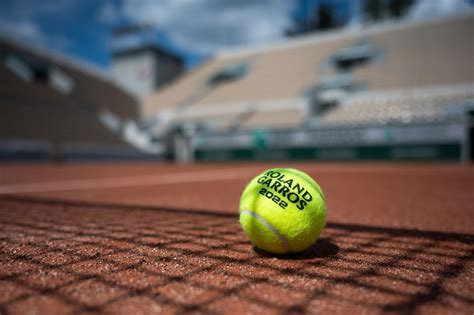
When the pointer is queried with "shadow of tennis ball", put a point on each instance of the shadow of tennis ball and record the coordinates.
(323, 248)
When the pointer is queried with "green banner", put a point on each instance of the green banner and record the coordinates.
(449, 151)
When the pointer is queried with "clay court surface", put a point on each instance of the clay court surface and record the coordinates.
(156, 238)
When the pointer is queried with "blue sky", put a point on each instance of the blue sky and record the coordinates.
(70, 27)
(192, 28)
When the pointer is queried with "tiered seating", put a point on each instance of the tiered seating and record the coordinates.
(402, 56)
(401, 107)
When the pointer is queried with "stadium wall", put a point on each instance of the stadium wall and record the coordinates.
(428, 141)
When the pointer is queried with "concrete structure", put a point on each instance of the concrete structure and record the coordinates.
(296, 82)
(56, 107)
(145, 69)
(388, 91)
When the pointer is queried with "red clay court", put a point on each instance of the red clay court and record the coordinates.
(156, 238)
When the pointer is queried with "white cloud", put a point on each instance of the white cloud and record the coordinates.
(19, 21)
(207, 25)
(23, 30)
(427, 9)
(30, 9)
(108, 13)
(29, 32)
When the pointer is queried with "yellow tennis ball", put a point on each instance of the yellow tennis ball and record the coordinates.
(282, 211)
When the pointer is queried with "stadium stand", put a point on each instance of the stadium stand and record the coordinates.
(392, 56)
(55, 108)
(401, 106)
(387, 75)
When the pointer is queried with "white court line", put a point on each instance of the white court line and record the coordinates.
(148, 180)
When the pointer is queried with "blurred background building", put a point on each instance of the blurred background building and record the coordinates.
(138, 65)
(54, 107)
(348, 80)
(389, 91)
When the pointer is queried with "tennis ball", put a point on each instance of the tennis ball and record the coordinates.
(282, 211)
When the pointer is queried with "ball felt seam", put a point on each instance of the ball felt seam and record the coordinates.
(284, 241)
